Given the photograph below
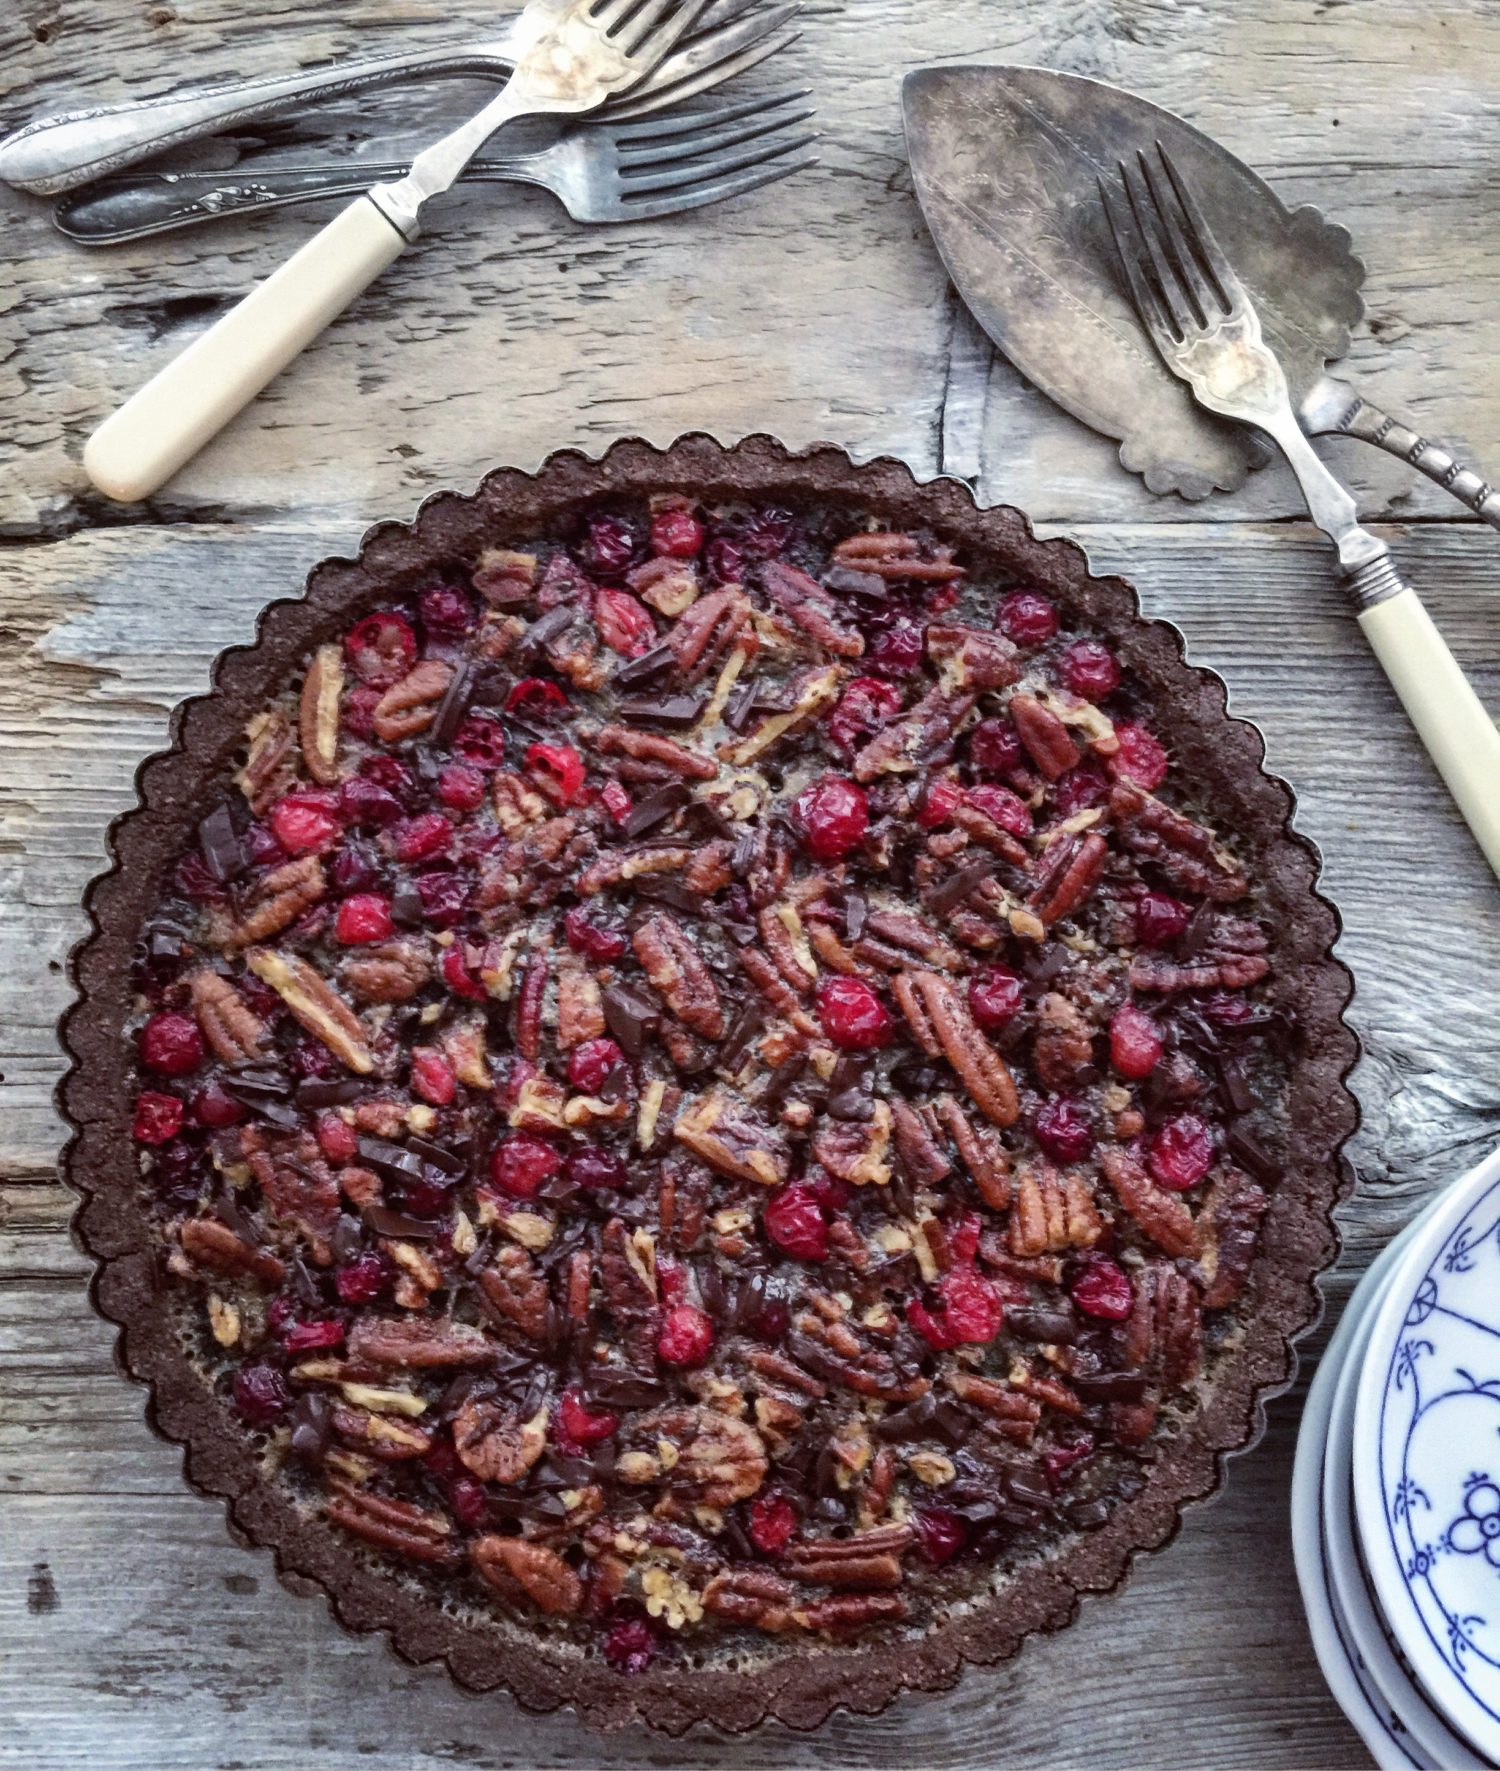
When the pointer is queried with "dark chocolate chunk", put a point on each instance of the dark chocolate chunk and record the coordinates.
(644, 669)
(407, 911)
(392, 1159)
(739, 706)
(743, 1029)
(346, 1239)
(952, 892)
(1051, 1327)
(855, 912)
(661, 888)
(630, 1016)
(440, 1157)
(1110, 1386)
(676, 711)
(328, 1091)
(258, 1083)
(543, 630)
(385, 1222)
(1251, 1155)
(645, 814)
(223, 853)
(310, 1424)
(453, 706)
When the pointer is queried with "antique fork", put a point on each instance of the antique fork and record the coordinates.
(53, 154)
(1208, 332)
(571, 55)
(599, 172)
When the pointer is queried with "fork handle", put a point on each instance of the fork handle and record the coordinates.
(1439, 699)
(142, 445)
(1371, 425)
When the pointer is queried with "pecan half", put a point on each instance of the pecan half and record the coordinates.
(710, 871)
(1047, 740)
(895, 937)
(810, 607)
(753, 1596)
(729, 1136)
(1070, 870)
(1161, 973)
(621, 866)
(421, 1344)
(983, 1155)
(842, 1613)
(781, 932)
(889, 554)
(1161, 1214)
(410, 706)
(494, 1442)
(922, 1156)
(278, 899)
(676, 969)
(719, 1459)
(516, 1288)
(1164, 1334)
(379, 1435)
(1064, 1045)
(580, 1011)
(518, 1569)
(232, 1028)
(969, 658)
(315, 1005)
(270, 767)
(410, 1531)
(1228, 1223)
(393, 971)
(942, 1024)
(907, 742)
(869, 1561)
(517, 803)
(300, 1190)
(1051, 1212)
(856, 1153)
(1184, 851)
(208, 1243)
(656, 747)
(318, 714)
(704, 633)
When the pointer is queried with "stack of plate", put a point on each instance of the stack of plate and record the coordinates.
(1396, 1492)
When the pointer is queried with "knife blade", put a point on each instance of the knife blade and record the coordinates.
(1006, 161)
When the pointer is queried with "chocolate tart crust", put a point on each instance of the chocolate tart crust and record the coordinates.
(799, 1687)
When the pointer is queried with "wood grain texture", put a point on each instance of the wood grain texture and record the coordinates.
(135, 1634)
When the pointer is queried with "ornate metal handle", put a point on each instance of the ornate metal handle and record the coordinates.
(1371, 425)
(56, 153)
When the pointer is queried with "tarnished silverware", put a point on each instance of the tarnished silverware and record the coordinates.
(54, 154)
(599, 172)
(1208, 332)
(571, 56)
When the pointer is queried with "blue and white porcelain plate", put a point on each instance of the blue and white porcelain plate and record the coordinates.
(1427, 1456)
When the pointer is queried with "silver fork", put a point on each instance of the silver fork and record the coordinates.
(599, 172)
(571, 55)
(1207, 330)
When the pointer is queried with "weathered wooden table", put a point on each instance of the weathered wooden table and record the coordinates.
(132, 1632)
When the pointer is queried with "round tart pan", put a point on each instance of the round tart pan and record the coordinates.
(484, 1650)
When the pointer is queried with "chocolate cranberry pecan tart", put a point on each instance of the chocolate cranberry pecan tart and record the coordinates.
(732, 1084)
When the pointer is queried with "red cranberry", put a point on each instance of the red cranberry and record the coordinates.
(853, 1016)
(1135, 1045)
(1181, 1153)
(630, 1645)
(1159, 920)
(686, 1336)
(470, 1503)
(357, 713)
(1001, 807)
(591, 1062)
(445, 896)
(521, 1163)
(310, 1058)
(896, 649)
(861, 711)
(337, 1139)
(835, 817)
(558, 771)
(611, 545)
(457, 976)
(157, 1117)
(773, 1519)
(723, 561)
(1061, 1461)
(1141, 757)
(829, 1191)
(192, 878)
(995, 997)
(765, 532)
(578, 1426)
(432, 1077)
(596, 1170)
(356, 868)
(460, 786)
(995, 748)
(424, 1199)
(1227, 1008)
(589, 939)
(1080, 788)
(367, 804)
(676, 534)
(970, 1311)
(363, 918)
(481, 741)
(770, 1320)
(941, 1534)
(381, 648)
(423, 838)
(616, 801)
(304, 1337)
(940, 802)
(1063, 1129)
(261, 1395)
(671, 1280)
(261, 847)
(624, 624)
(446, 610)
(796, 1223)
(1089, 670)
(176, 1175)
(171, 1045)
(535, 697)
(364, 1280)
(215, 1109)
(1027, 618)
(1102, 1288)
(307, 822)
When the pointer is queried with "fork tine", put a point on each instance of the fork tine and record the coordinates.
(1132, 259)
(693, 171)
(712, 58)
(608, 13)
(1230, 289)
(648, 34)
(683, 122)
(1169, 285)
(645, 208)
(1199, 285)
(715, 134)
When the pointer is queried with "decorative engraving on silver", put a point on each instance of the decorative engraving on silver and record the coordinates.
(600, 172)
(1208, 332)
(54, 154)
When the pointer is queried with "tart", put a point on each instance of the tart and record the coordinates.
(709, 1083)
